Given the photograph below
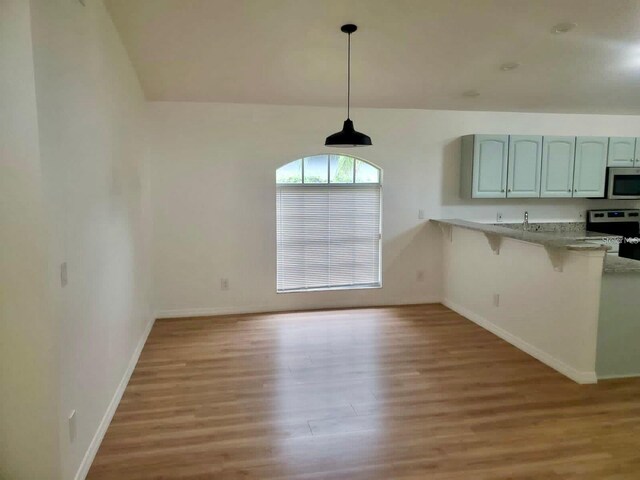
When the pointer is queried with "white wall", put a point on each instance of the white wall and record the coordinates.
(618, 326)
(28, 345)
(92, 146)
(213, 169)
(553, 315)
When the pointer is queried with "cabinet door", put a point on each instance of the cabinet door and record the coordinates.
(591, 167)
(558, 155)
(637, 162)
(622, 152)
(490, 166)
(525, 163)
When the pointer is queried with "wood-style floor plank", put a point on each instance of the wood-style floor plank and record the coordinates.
(401, 393)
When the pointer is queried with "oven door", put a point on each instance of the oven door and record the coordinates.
(623, 183)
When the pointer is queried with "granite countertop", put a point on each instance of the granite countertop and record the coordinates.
(615, 264)
(569, 236)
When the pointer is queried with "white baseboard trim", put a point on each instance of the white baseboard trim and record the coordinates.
(211, 311)
(614, 376)
(237, 310)
(90, 454)
(544, 357)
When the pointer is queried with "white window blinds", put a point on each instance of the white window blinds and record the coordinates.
(328, 236)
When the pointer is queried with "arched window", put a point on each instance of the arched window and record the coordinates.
(328, 224)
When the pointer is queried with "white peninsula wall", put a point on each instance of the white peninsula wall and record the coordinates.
(544, 302)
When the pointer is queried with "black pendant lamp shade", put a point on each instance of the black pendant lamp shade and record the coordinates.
(348, 136)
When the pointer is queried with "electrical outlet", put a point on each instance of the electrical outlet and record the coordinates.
(421, 214)
(499, 217)
(64, 279)
(224, 284)
(72, 426)
(496, 299)
(420, 275)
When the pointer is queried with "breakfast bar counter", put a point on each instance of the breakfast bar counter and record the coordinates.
(542, 288)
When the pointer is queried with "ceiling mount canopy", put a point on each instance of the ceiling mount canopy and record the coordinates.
(348, 136)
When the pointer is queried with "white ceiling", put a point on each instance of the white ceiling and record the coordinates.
(406, 53)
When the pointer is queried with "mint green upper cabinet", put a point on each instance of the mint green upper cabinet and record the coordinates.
(591, 167)
(637, 162)
(490, 154)
(525, 163)
(558, 155)
(622, 152)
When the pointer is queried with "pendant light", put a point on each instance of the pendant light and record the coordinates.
(348, 137)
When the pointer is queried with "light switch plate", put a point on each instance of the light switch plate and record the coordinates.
(499, 217)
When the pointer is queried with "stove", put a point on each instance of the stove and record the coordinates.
(624, 223)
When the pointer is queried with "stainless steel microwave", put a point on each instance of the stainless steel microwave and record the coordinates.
(623, 183)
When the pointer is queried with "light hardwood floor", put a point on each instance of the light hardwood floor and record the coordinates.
(394, 393)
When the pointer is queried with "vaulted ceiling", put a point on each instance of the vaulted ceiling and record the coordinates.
(406, 54)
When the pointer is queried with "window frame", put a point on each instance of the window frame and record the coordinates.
(328, 182)
(380, 282)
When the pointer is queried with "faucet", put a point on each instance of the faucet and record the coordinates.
(525, 224)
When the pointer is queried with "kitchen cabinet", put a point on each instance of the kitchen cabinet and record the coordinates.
(484, 166)
(558, 157)
(623, 152)
(524, 166)
(590, 167)
(532, 166)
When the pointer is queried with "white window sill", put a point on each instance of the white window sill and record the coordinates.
(328, 289)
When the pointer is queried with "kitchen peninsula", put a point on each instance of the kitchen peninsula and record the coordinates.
(549, 289)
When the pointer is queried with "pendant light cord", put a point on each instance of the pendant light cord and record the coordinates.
(349, 77)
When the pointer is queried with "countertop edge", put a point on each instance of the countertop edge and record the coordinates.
(612, 264)
(544, 239)
(615, 264)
